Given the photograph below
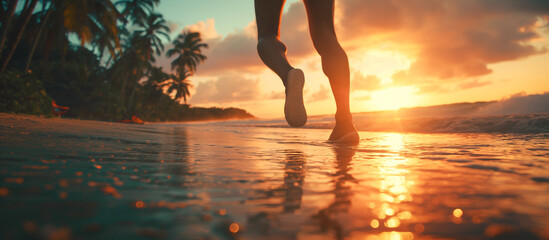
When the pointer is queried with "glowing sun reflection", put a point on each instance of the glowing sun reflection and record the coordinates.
(395, 188)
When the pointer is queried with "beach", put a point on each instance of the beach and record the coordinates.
(78, 179)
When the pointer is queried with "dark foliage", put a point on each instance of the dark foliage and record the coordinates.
(108, 72)
(23, 93)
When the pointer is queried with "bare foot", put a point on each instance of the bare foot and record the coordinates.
(344, 131)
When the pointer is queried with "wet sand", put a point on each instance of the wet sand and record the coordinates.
(74, 179)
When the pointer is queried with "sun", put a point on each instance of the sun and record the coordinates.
(393, 98)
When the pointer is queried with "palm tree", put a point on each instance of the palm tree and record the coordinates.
(157, 76)
(6, 22)
(131, 62)
(26, 14)
(152, 29)
(137, 10)
(105, 41)
(93, 21)
(86, 18)
(43, 21)
(155, 84)
(180, 85)
(131, 67)
(188, 47)
(142, 45)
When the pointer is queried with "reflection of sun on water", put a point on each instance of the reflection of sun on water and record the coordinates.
(394, 189)
(393, 142)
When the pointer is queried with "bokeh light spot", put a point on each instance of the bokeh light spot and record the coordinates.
(392, 222)
(374, 223)
(234, 227)
(458, 212)
(405, 215)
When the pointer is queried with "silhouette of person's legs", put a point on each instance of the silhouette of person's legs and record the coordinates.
(273, 53)
(335, 64)
(271, 50)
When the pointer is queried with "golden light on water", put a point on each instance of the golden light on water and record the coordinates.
(374, 223)
(394, 236)
(392, 222)
(405, 215)
(395, 188)
(398, 185)
(457, 213)
(389, 212)
(394, 142)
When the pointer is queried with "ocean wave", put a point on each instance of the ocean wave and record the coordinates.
(515, 123)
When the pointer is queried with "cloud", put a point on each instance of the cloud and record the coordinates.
(402, 78)
(448, 39)
(473, 84)
(432, 88)
(226, 89)
(368, 83)
(207, 29)
(276, 95)
(363, 97)
(361, 17)
(235, 52)
(294, 32)
(322, 94)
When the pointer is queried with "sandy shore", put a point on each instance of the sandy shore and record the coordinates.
(75, 179)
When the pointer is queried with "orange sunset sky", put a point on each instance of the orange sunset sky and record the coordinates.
(402, 53)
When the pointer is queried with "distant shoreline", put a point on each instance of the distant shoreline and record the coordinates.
(32, 117)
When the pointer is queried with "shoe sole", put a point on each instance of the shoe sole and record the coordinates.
(294, 109)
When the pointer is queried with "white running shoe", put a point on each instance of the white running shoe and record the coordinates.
(294, 109)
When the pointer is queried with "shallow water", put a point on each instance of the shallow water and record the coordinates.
(423, 122)
(66, 179)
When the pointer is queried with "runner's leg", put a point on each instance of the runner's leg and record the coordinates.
(273, 53)
(269, 47)
(335, 64)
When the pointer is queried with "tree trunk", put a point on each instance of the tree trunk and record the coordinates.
(109, 61)
(122, 95)
(6, 23)
(37, 39)
(26, 17)
(130, 103)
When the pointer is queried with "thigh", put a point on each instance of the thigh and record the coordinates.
(267, 15)
(320, 14)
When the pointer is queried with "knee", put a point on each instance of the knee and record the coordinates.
(270, 43)
(326, 44)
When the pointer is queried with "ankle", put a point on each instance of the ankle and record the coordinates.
(285, 77)
(343, 117)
